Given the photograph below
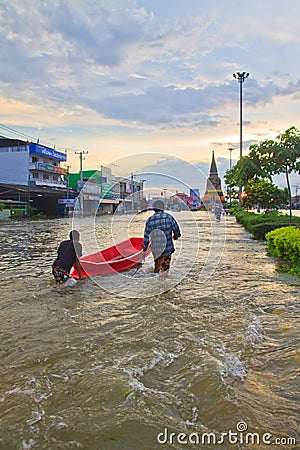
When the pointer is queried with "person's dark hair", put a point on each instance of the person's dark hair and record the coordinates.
(74, 235)
(158, 205)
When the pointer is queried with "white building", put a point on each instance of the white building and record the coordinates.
(28, 164)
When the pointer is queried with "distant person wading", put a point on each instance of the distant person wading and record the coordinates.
(160, 230)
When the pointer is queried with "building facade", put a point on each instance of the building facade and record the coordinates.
(103, 193)
(28, 164)
(31, 178)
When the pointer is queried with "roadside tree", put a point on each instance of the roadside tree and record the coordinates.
(264, 194)
(279, 156)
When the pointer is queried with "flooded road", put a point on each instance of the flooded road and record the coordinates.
(84, 368)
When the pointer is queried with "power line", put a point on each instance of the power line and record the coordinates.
(19, 133)
(35, 139)
(24, 135)
(31, 138)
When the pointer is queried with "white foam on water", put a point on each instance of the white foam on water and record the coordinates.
(69, 283)
(18, 390)
(95, 369)
(154, 361)
(73, 444)
(36, 417)
(138, 386)
(42, 397)
(254, 331)
(195, 417)
(136, 371)
(233, 367)
(65, 376)
(29, 445)
(61, 425)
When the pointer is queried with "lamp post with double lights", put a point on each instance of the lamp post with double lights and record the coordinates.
(241, 77)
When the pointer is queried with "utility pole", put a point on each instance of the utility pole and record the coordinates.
(68, 186)
(29, 199)
(81, 177)
(80, 165)
(132, 193)
(142, 181)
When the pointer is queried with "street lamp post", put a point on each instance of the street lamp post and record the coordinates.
(241, 77)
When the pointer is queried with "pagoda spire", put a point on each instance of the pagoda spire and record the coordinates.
(213, 167)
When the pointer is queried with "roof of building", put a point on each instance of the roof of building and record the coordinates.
(7, 142)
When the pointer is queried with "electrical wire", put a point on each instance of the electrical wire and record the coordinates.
(22, 135)
(11, 130)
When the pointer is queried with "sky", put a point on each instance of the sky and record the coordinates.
(119, 78)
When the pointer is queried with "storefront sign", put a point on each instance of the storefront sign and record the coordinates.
(91, 188)
(60, 170)
(67, 201)
(36, 149)
(195, 194)
(41, 166)
(106, 189)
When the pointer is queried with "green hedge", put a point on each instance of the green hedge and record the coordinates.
(285, 243)
(260, 230)
(260, 224)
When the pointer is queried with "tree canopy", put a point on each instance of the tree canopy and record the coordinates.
(264, 194)
(266, 159)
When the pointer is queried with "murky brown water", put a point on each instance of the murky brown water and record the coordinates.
(82, 368)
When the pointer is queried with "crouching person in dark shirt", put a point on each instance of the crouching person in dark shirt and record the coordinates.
(69, 253)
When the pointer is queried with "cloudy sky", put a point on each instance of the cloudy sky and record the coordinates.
(121, 77)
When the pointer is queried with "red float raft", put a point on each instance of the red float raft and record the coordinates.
(120, 257)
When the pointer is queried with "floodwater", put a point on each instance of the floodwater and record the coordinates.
(205, 356)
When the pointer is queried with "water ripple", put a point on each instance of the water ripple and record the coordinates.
(85, 369)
